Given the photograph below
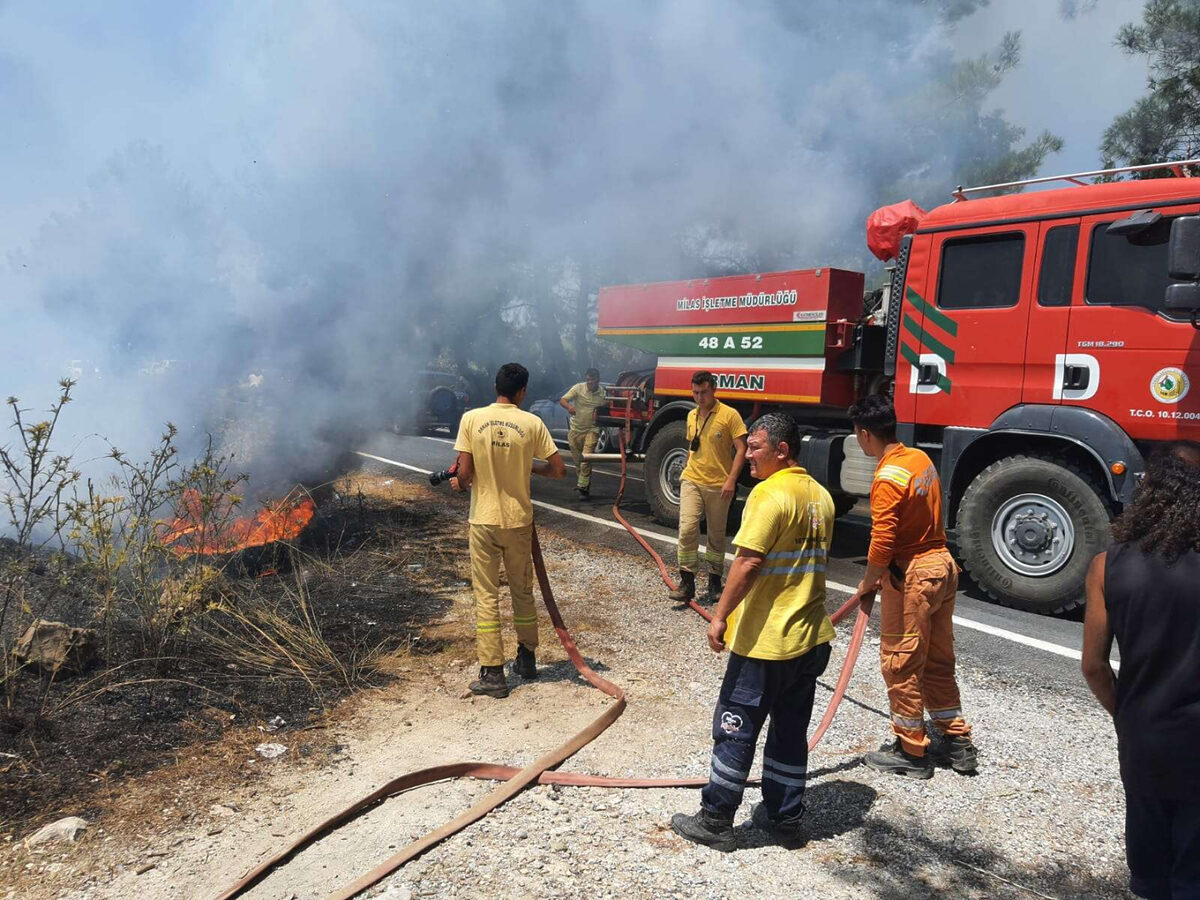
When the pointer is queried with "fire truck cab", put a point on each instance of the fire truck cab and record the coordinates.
(1038, 345)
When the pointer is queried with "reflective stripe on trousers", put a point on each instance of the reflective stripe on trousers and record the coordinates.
(491, 545)
(582, 442)
(916, 650)
(698, 502)
(753, 692)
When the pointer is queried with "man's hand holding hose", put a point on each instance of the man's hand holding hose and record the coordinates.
(465, 470)
(871, 582)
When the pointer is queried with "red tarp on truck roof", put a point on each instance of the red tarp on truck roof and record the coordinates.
(888, 224)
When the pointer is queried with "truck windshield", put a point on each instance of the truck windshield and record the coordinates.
(1124, 273)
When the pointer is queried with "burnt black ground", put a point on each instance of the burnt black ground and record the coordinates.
(53, 759)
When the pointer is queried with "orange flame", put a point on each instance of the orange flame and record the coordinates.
(279, 521)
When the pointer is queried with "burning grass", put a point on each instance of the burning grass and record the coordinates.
(253, 632)
(278, 520)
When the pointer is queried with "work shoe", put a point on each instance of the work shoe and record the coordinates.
(525, 665)
(705, 828)
(959, 752)
(686, 590)
(584, 492)
(895, 760)
(788, 832)
(713, 593)
(491, 682)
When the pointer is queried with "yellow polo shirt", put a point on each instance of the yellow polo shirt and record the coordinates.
(710, 465)
(503, 441)
(789, 518)
(586, 403)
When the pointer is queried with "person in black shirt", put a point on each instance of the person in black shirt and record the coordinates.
(1143, 591)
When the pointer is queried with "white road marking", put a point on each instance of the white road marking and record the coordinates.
(392, 462)
(1036, 643)
(1002, 633)
(595, 471)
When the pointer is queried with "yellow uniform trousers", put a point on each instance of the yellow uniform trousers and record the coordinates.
(489, 545)
(916, 650)
(697, 501)
(582, 442)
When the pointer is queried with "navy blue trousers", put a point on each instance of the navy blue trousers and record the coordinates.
(753, 691)
(1162, 845)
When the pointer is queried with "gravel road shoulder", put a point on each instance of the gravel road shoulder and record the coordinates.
(1043, 818)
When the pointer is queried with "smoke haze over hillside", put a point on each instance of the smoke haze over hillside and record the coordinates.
(331, 194)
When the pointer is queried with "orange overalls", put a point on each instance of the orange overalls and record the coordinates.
(916, 642)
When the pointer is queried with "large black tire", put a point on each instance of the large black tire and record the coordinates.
(1028, 528)
(843, 503)
(665, 458)
(443, 406)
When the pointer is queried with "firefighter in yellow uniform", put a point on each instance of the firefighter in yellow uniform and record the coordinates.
(716, 451)
(772, 617)
(496, 446)
(581, 403)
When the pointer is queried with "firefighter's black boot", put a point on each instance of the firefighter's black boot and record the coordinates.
(584, 491)
(686, 590)
(525, 665)
(705, 828)
(787, 832)
(960, 753)
(491, 682)
(713, 594)
(893, 759)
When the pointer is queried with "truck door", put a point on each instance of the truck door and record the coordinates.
(1144, 362)
(1049, 369)
(968, 332)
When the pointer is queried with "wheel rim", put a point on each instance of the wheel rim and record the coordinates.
(602, 443)
(1033, 535)
(669, 471)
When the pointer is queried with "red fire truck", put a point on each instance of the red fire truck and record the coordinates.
(1038, 345)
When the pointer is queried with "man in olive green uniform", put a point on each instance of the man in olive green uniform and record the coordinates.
(716, 450)
(497, 446)
(581, 403)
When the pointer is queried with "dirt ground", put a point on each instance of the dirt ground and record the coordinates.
(367, 584)
(1047, 791)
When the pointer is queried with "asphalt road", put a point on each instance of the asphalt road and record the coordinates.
(1035, 649)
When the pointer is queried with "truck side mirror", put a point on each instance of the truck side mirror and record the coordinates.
(1183, 262)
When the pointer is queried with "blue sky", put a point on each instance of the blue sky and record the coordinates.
(1072, 80)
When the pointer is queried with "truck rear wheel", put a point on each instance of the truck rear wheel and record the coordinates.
(665, 458)
(842, 503)
(1028, 528)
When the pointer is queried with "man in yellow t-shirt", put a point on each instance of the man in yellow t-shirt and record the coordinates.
(772, 617)
(581, 402)
(497, 446)
(716, 450)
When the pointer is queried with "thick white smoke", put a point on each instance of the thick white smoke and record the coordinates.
(323, 193)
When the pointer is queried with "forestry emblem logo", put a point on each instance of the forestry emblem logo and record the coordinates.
(1169, 385)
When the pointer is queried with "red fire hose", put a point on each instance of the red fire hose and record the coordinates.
(856, 638)
(540, 771)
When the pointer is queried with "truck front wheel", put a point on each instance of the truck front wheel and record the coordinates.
(665, 458)
(1028, 528)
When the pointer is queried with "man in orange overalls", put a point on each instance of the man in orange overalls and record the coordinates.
(917, 579)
